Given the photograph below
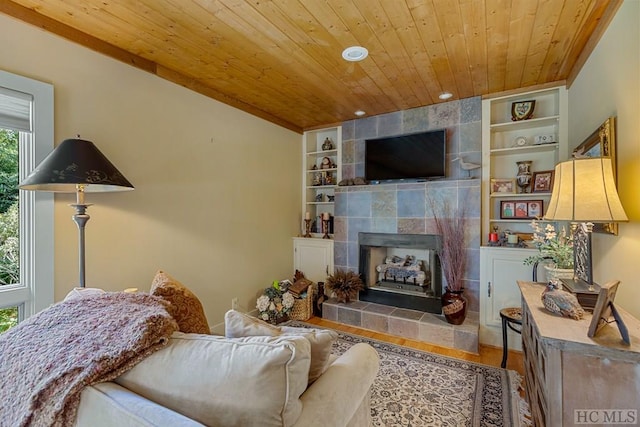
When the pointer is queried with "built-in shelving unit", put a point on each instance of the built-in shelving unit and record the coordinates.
(322, 171)
(500, 150)
(501, 267)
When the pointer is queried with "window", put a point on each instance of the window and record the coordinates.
(26, 107)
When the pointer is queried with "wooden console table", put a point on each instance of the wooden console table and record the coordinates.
(567, 371)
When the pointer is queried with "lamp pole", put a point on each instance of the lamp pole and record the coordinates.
(80, 218)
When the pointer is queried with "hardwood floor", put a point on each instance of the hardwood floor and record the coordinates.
(491, 356)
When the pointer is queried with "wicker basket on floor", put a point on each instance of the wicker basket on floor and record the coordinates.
(303, 307)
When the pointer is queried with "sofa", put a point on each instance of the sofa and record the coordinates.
(256, 375)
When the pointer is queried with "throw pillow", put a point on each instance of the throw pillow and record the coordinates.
(186, 308)
(218, 381)
(238, 325)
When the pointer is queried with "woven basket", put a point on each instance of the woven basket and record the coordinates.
(303, 307)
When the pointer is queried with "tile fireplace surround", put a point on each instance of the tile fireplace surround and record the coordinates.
(404, 208)
(411, 324)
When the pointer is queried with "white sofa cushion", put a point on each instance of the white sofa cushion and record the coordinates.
(238, 325)
(108, 405)
(218, 381)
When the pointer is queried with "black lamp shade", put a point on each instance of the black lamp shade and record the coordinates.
(76, 162)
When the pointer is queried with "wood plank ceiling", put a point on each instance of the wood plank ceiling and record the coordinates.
(281, 59)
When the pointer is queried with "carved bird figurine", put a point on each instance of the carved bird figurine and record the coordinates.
(466, 165)
(561, 302)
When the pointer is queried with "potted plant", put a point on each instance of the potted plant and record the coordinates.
(451, 225)
(554, 246)
(345, 284)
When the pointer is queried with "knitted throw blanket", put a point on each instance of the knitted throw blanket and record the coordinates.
(47, 360)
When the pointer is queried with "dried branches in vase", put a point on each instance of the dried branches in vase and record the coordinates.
(345, 284)
(451, 226)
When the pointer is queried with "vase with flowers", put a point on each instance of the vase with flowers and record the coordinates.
(555, 246)
(451, 225)
(275, 303)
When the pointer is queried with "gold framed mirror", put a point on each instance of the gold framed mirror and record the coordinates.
(601, 143)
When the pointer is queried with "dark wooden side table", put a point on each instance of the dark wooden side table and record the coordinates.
(510, 316)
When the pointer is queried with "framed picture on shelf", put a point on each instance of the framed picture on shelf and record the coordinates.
(604, 309)
(507, 209)
(534, 209)
(507, 186)
(542, 181)
(520, 209)
(522, 110)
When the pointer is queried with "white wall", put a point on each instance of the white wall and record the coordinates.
(609, 85)
(217, 196)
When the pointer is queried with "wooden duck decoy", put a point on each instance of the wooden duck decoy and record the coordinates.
(561, 302)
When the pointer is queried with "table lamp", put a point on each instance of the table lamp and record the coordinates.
(76, 166)
(584, 192)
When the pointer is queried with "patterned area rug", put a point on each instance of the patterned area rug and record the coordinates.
(416, 388)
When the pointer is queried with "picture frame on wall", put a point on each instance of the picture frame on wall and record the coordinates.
(505, 186)
(543, 181)
(521, 209)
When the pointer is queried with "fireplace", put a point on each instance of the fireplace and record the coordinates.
(401, 270)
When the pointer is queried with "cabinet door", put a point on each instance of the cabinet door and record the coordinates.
(500, 268)
(314, 257)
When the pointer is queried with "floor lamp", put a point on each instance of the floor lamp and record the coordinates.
(76, 166)
(584, 192)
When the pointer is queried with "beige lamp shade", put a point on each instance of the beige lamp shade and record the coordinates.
(584, 190)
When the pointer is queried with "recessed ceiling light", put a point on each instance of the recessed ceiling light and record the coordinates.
(360, 113)
(445, 95)
(355, 53)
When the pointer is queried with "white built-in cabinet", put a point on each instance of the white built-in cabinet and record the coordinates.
(505, 142)
(321, 173)
(500, 270)
(314, 257)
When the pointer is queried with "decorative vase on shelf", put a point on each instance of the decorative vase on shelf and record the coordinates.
(454, 306)
(524, 175)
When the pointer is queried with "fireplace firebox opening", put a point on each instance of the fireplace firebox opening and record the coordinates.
(401, 270)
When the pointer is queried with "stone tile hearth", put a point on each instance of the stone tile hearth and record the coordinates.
(411, 324)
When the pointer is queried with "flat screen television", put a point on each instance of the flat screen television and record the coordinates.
(417, 156)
